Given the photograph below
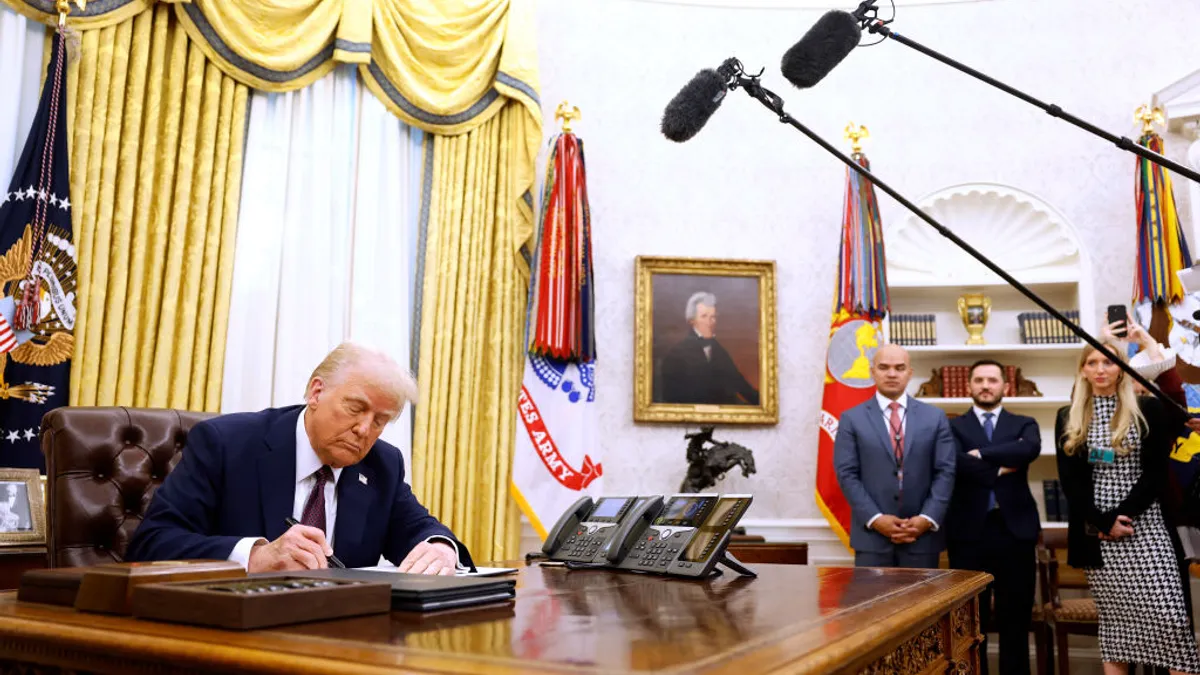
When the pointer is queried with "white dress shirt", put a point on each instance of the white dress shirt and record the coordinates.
(980, 412)
(307, 465)
(707, 348)
(885, 407)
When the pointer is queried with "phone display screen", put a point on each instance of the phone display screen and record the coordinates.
(724, 516)
(685, 511)
(609, 509)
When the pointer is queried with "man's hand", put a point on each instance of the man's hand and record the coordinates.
(1005, 470)
(888, 526)
(911, 529)
(427, 557)
(300, 548)
(976, 454)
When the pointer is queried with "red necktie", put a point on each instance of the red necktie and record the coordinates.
(314, 507)
(897, 432)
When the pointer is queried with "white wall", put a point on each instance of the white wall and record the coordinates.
(749, 187)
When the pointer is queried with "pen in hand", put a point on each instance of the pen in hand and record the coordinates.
(333, 559)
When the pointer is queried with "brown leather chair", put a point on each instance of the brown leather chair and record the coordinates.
(102, 468)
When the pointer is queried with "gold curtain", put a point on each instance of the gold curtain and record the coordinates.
(156, 166)
(472, 322)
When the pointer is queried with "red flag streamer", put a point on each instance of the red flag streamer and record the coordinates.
(561, 297)
(860, 301)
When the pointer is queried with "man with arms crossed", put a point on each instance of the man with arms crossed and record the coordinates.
(894, 457)
(322, 463)
(993, 522)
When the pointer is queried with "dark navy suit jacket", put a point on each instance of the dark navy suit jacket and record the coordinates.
(1016, 442)
(237, 479)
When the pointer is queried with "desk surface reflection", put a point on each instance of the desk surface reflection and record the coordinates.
(793, 617)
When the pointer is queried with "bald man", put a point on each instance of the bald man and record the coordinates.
(895, 460)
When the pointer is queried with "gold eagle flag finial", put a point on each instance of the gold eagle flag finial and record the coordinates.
(1149, 116)
(856, 134)
(567, 115)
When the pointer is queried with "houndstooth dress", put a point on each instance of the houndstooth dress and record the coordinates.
(1143, 618)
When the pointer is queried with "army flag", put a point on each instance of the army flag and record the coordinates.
(860, 303)
(554, 463)
(37, 276)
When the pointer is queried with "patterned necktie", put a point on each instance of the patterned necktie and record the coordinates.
(897, 431)
(314, 507)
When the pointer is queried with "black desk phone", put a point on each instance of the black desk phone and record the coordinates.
(687, 536)
(588, 532)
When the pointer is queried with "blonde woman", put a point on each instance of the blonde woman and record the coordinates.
(1113, 449)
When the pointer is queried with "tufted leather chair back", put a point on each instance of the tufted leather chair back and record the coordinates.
(102, 468)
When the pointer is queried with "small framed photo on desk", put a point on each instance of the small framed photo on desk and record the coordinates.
(22, 508)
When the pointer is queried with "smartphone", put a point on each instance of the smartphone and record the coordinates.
(1118, 313)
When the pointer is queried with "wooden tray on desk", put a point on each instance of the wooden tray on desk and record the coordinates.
(57, 586)
(108, 588)
(260, 601)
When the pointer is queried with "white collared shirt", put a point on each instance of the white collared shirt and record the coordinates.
(884, 406)
(707, 348)
(307, 466)
(980, 412)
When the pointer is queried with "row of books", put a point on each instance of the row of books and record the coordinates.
(1039, 328)
(1056, 501)
(912, 329)
(956, 381)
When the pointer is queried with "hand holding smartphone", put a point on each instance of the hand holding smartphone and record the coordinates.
(1119, 313)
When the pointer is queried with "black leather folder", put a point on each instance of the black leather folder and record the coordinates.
(427, 592)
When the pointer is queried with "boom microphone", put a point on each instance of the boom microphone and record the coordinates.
(689, 111)
(824, 46)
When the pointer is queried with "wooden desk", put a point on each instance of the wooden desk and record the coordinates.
(793, 618)
(16, 561)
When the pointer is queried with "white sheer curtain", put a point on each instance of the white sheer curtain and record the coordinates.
(21, 76)
(324, 241)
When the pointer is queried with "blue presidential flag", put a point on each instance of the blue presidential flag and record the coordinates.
(37, 277)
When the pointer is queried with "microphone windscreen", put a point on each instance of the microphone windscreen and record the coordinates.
(824, 46)
(689, 111)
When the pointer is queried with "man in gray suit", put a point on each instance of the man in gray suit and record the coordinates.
(895, 460)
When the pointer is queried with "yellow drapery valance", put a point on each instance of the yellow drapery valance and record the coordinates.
(445, 67)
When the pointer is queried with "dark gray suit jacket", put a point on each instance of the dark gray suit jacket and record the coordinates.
(867, 472)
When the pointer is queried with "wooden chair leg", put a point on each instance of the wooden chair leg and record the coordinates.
(1064, 658)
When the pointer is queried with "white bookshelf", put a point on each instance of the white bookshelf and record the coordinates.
(1030, 240)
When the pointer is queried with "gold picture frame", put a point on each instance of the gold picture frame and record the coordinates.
(22, 508)
(673, 378)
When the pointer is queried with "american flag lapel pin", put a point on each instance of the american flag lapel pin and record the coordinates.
(362, 479)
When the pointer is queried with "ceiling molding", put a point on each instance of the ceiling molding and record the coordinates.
(1180, 101)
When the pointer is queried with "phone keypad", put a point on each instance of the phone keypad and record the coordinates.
(656, 552)
(582, 546)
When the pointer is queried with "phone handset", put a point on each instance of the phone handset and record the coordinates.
(632, 527)
(566, 524)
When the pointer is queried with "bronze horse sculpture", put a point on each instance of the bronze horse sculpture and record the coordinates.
(707, 465)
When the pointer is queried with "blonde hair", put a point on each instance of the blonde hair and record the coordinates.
(1080, 415)
(385, 373)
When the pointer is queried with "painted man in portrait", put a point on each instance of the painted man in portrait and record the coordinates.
(698, 370)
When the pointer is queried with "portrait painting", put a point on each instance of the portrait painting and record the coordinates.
(22, 511)
(705, 341)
